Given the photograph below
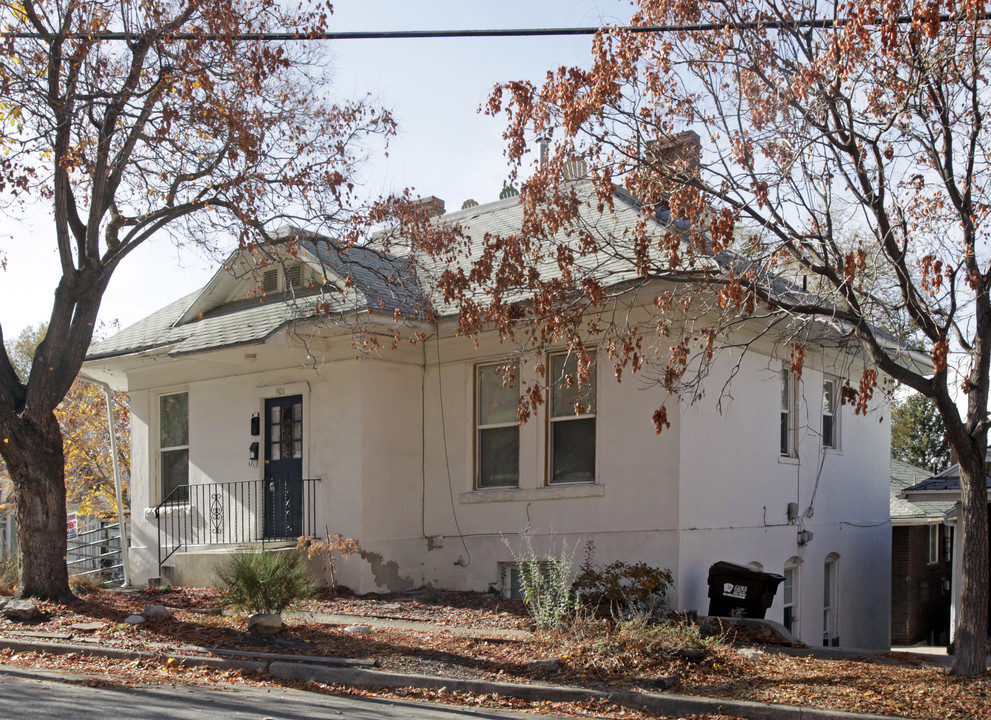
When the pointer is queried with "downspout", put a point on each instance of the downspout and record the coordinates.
(121, 521)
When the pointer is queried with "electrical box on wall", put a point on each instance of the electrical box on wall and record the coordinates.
(792, 511)
(255, 425)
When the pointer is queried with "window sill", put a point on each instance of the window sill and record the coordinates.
(787, 460)
(550, 492)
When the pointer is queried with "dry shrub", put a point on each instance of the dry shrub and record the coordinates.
(621, 589)
(335, 544)
(10, 572)
(85, 584)
(590, 644)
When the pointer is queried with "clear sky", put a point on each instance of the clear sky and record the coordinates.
(445, 148)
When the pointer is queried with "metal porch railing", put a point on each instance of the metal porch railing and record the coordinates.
(235, 513)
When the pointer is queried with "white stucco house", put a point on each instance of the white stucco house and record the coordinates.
(254, 420)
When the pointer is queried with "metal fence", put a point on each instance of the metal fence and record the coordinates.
(8, 537)
(235, 513)
(95, 551)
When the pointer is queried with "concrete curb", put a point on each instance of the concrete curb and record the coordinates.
(121, 654)
(669, 704)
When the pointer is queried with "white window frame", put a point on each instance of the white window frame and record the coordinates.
(831, 389)
(933, 543)
(481, 427)
(553, 421)
(830, 600)
(788, 427)
(792, 568)
(162, 449)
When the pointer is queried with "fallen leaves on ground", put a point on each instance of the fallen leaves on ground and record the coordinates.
(617, 661)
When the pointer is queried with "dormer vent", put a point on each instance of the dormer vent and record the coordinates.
(270, 281)
(294, 276)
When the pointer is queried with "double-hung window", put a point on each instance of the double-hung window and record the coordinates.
(571, 421)
(497, 430)
(830, 636)
(830, 414)
(173, 446)
(933, 544)
(789, 413)
(789, 597)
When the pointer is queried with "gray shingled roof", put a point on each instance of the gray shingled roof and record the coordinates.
(383, 282)
(377, 286)
(948, 483)
(615, 260)
(242, 323)
(905, 475)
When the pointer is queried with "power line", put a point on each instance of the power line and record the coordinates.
(769, 24)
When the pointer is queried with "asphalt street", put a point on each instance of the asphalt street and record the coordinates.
(45, 695)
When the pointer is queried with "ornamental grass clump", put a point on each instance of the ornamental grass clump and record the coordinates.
(265, 582)
(545, 581)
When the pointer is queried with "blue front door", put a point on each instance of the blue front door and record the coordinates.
(283, 467)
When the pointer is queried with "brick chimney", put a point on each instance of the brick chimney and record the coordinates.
(433, 206)
(676, 155)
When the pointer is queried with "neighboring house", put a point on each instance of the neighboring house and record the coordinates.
(254, 419)
(921, 562)
(944, 487)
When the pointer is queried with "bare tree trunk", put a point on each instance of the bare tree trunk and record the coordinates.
(970, 639)
(36, 464)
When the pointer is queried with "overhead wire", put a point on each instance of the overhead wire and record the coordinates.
(768, 24)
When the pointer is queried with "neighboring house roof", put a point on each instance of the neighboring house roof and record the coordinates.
(915, 511)
(942, 487)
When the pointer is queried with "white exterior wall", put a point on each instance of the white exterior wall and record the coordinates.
(734, 500)
(392, 441)
(635, 496)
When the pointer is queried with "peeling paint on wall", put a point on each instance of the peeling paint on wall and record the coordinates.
(386, 572)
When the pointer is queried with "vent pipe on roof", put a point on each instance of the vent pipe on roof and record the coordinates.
(543, 143)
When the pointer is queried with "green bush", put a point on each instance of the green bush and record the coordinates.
(621, 588)
(545, 581)
(265, 582)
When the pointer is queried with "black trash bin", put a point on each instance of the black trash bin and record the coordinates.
(738, 590)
